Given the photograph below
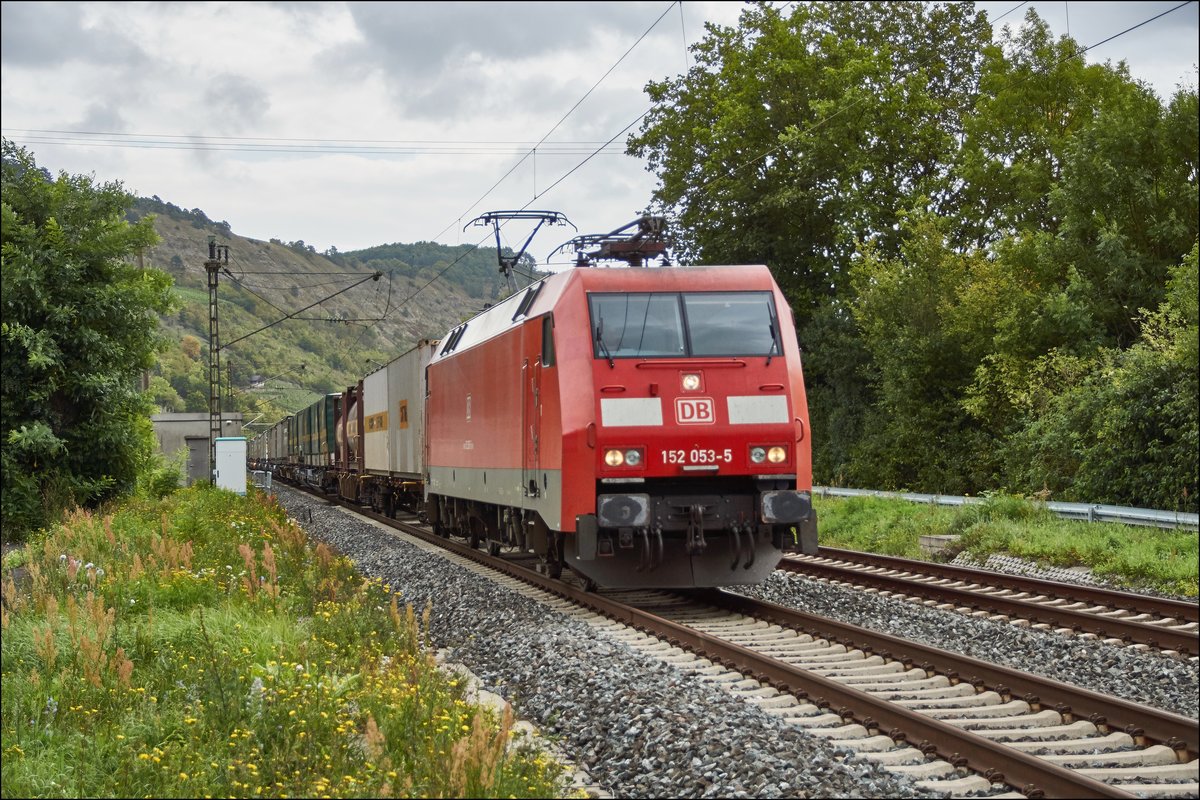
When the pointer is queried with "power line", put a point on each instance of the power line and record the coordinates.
(1011, 10)
(274, 139)
(375, 276)
(564, 117)
(553, 149)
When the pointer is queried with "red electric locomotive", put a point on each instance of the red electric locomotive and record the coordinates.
(646, 427)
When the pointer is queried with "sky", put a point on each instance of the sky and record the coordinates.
(350, 125)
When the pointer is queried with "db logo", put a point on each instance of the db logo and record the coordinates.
(694, 411)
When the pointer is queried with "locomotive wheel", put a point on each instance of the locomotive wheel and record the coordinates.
(493, 547)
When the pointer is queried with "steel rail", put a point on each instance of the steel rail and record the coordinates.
(1174, 730)
(1129, 601)
(1033, 776)
(1187, 642)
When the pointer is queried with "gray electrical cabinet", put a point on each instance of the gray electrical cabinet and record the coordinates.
(231, 464)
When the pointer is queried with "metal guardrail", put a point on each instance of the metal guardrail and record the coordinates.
(1086, 512)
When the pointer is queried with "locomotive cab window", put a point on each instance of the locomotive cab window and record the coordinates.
(731, 324)
(668, 324)
(636, 325)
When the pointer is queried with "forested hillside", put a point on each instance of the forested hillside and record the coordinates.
(349, 321)
(989, 244)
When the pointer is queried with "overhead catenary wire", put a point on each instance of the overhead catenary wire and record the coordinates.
(556, 125)
(590, 156)
(208, 143)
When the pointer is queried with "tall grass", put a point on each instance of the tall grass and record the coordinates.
(1136, 557)
(199, 647)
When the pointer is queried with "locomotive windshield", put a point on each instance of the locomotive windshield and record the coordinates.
(669, 324)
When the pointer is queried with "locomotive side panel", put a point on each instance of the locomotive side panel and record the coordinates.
(473, 422)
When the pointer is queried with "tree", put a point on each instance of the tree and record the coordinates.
(78, 328)
(794, 138)
(1127, 433)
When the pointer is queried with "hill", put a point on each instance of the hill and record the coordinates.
(312, 322)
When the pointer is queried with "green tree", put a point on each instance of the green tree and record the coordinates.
(908, 309)
(794, 138)
(1035, 94)
(1127, 433)
(78, 327)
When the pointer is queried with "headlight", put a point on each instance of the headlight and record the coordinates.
(631, 457)
(758, 454)
(777, 455)
(691, 382)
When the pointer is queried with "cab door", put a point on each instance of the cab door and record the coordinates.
(531, 427)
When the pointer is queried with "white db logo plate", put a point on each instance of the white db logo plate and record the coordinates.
(694, 411)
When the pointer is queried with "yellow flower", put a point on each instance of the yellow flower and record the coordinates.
(183, 776)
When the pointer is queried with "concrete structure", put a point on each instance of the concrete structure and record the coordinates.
(188, 432)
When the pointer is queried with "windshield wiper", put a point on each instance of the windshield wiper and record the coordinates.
(603, 346)
(774, 342)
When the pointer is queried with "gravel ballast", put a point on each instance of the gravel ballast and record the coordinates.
(1144, 677)
(639, 727)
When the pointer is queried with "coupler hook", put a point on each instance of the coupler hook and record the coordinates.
(695, 533)
(735, 544)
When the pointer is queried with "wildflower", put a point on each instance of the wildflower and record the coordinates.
(89, 565)
(144, 756)
(183, 776)
(62, 559)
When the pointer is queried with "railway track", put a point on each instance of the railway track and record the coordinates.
(1117, 617)
(952, 723)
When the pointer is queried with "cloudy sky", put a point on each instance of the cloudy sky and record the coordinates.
(356, 124)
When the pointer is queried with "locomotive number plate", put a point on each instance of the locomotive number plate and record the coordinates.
(697, 456)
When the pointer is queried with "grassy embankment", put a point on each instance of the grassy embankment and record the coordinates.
(199, 647)
(1137, 557)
